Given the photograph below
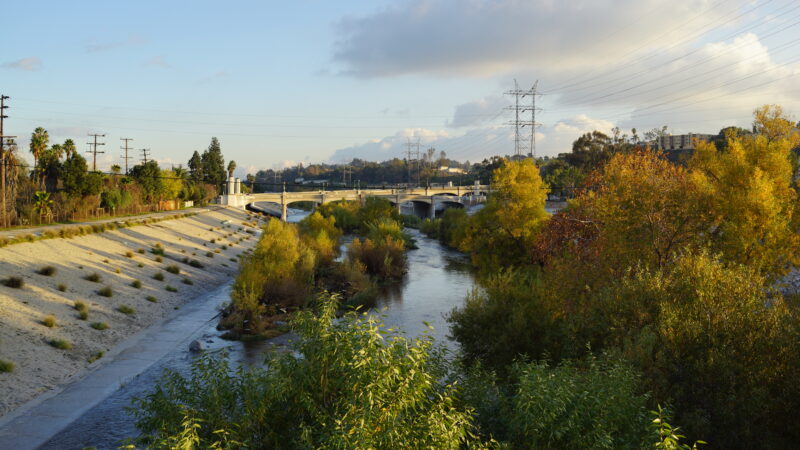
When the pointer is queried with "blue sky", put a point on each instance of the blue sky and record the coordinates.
(309, 81)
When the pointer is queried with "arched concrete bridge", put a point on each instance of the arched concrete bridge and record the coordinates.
(422, 198)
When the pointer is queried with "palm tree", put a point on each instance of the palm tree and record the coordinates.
(116, 169)
(39, 141)
(41, 203)
(231, 167)
(69, 148)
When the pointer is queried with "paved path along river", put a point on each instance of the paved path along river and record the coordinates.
(438, 280)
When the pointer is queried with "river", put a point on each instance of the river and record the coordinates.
(438, 280)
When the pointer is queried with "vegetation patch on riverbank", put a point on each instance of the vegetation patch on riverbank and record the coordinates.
(292, 264)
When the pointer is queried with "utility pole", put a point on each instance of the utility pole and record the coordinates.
(419, 165)
(3, 157)
(144, 154)
(347, 175)
(94, 151)
(126, 157)
(520, 146)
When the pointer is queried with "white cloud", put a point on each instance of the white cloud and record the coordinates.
(30, 64)
(157, 61)
(95, 46)
(390, 146)
(491, 37)
(477, 143)
(478, 111)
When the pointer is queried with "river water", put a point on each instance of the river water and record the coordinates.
(438, 280)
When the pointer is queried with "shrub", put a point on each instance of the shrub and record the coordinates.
(319, 400)
(209, 255)
(224, 247)
(385, 259)
(174, 269)
(49, 321)
(158, 249)
(99, 326)
(141, 250)
(93, 277)
(61, 287)
(158, 276)
(106, 291)
(14, 282)
(151, 299)
(81, 306)
(187, 281)
(129, 254)
(137, 284)
(158, 259)
(83, 315)
(96, 356)
(125, 309)
(196, 263)
(60, 344)
(216, 250)
(47, 271)
(6, 366)
(140, 265)
(170, 289)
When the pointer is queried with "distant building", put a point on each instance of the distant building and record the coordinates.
(680, 141)
(452, 170)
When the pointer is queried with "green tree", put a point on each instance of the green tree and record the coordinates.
(148, 176)
(74, 175)
(231, 167)
(213, 164)
(196, 168)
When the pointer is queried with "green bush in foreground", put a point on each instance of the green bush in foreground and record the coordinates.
(60, 344)
(6, 366)
(125, 309)
(354, 387)
(99, 326)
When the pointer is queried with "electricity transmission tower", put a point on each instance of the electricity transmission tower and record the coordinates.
(409, 159)
(126, 157)
(521, 147)
(94, 151)
(145, 154)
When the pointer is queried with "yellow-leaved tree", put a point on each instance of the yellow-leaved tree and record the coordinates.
(645, 208)
(503, 232)
(749, 192)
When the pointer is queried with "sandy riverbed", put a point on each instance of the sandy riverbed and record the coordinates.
(40, 367)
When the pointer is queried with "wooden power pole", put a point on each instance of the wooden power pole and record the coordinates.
(94, 149)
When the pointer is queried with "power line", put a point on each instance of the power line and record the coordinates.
(94, 151)
(126, 157)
